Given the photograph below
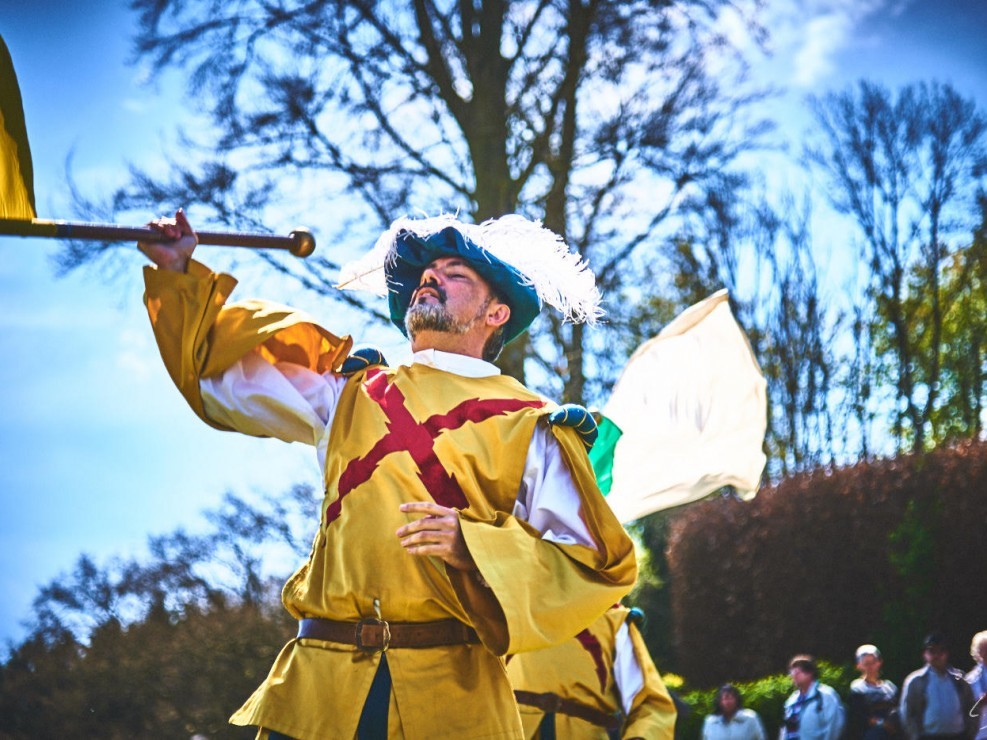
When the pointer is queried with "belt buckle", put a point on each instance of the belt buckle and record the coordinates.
(385, 635)
(555, 703)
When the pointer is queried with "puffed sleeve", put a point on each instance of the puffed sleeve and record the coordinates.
(201, 337)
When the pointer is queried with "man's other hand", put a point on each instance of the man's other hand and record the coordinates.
(437, 533)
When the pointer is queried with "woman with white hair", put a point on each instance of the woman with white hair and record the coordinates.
(977, 678)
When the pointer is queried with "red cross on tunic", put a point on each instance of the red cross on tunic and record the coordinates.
(418, 440)
(589, 642)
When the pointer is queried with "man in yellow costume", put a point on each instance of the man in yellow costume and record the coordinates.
(597, 685)
(458, 525)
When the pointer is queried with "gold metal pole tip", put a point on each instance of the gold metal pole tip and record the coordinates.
(304, 242)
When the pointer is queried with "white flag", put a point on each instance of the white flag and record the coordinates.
(692, 408)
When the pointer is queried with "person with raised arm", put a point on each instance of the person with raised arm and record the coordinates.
(458, 525)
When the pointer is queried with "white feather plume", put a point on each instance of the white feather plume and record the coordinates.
(561, 278)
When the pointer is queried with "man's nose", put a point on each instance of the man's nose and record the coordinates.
(430, 275)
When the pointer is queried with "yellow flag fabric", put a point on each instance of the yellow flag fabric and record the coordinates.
(16, 171)
(692, 406)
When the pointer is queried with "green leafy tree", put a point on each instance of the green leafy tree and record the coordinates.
(958, 412)
(907, 170)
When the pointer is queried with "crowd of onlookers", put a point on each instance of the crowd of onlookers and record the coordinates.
(936, 702)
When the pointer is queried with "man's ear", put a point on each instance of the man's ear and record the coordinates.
(498, 313)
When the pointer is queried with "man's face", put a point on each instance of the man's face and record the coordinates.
(802, 679)
(936, 656)
(728, 703)
(869, 665)
(451, 297)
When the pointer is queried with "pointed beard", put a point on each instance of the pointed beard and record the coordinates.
(437, 317)
(431, 317)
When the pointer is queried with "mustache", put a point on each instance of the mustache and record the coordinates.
(432, 285)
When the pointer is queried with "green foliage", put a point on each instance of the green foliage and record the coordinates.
(167, 646)
(651, 593)
(912, 556)
(958, 412)
(161, 677)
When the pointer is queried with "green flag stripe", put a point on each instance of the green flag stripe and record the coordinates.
(601, 455)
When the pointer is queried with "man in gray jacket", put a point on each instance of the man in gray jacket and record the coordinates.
(935, 700)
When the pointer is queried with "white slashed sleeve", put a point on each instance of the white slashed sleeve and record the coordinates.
(548, 499)
(285, 401)
(627, 673)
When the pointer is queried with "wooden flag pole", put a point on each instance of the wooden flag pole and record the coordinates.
(299, 242)
(17, 210)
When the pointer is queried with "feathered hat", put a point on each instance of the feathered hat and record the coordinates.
(527, 264)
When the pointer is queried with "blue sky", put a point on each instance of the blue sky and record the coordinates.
(97, 450)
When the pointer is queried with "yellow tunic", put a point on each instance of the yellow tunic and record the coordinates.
(582, 669)
(397, 436)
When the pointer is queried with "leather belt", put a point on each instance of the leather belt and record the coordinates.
(549, 702)
(376, 635)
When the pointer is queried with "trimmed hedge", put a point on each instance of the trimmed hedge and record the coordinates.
(880, 552)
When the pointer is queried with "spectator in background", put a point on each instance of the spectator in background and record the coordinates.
(871, 700)
(935, 700)
(977, 678)
(813, 711)
(730, 721)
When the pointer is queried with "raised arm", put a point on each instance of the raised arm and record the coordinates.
(254, 367)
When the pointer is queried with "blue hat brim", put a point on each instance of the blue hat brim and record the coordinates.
(415, 253)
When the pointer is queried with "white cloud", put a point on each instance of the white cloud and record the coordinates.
(807, 36)
(825, 37)
(138, 106)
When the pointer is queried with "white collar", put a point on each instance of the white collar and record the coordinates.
(469, 367)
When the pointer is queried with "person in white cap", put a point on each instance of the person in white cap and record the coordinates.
(458, 524)
(873, 700)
